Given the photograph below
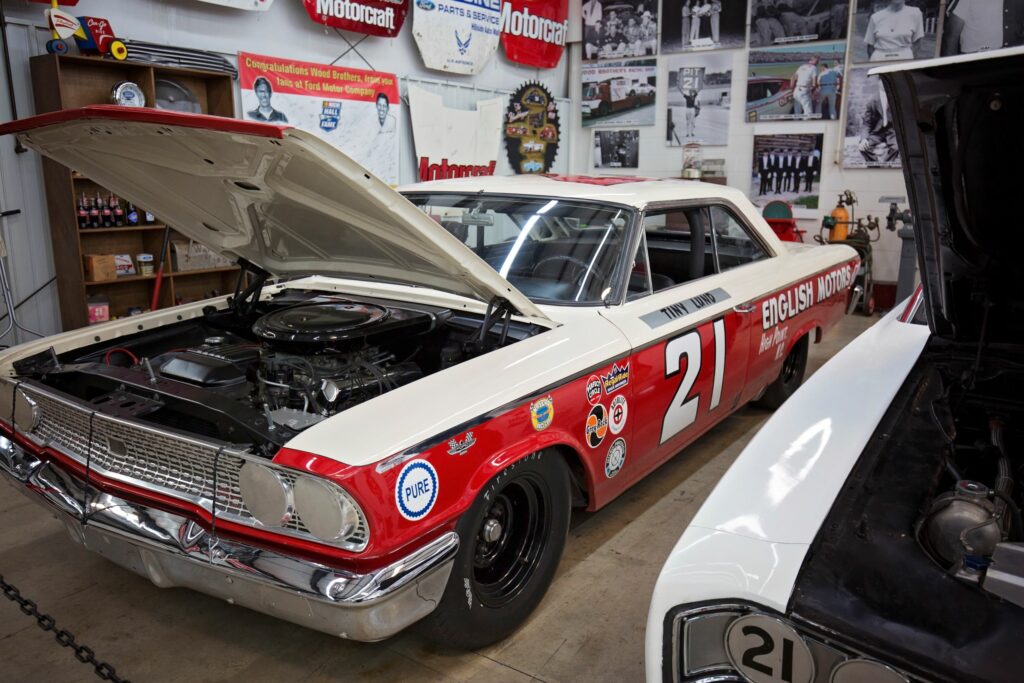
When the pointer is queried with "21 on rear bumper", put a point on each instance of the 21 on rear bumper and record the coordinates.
(172, 550)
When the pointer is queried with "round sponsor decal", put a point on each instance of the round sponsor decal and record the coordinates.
(617, 412)
(597, 425)
(593, 389)
(542, 412)
(416, 490)
(616, 458)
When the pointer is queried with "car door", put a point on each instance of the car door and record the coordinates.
(689, 317)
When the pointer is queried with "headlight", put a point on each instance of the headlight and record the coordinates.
(326, 510)
(741, 643)
(290, 502)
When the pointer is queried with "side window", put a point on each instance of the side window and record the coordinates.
(733, 243)
(639, 284)
(679, 246)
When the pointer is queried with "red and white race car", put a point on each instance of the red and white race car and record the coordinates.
(394, 414)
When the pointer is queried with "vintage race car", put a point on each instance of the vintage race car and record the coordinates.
(768, 98)
(400, 424)
(871, 531)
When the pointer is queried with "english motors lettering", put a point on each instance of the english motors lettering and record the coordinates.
(372, 17)
(534, 31)
(788, 303)
(454, 143)
(457, 36)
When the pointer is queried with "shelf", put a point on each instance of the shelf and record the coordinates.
(121, 280)
(127, 228)
(204, 271)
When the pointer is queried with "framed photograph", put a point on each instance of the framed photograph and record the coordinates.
(699, 98)
(702, 24)
(613, 29)
(787, 168)
(870, 139)
(797, 82)
(890, 30)
(979, 25)
(780, 22)
(616, 148)
(619, 93)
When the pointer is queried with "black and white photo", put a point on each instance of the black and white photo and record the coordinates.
(891, 30)
(613, 29)
(616, 148)
(980, 25)
(702, 24)
(795, 82)
(699, 99)
(787, 168)
(778, 22)
(619, 93)
(870, 140)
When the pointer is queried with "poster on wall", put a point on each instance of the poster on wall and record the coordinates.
(534, 31)
(870, 140)
(979, 25)
(888, 30)
(702, 24)
(455, 37)
(699, 99)
(454, 143)
(619, 93)
(355, 110)
(613, 29)
(775, 22)
(531, 129)
(616, 149)
(372, 17)
(787, 168)
(795, 82)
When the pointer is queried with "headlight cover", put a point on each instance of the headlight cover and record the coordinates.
(743, 642)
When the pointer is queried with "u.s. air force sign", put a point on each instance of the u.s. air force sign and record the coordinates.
(457, 36)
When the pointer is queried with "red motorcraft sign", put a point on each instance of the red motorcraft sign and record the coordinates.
(534, 31)
(372, 17)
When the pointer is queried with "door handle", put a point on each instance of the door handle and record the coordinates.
(744, 308)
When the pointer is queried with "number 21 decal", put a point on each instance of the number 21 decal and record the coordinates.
(682, 411)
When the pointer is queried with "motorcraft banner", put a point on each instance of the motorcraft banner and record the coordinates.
(252, 5)
(454, 143)
(457, 36)
(372, 17)
(355, 110)
(534, 31)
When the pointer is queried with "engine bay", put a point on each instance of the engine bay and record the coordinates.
(258, 373)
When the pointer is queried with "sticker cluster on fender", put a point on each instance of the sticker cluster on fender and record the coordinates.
(601, 420)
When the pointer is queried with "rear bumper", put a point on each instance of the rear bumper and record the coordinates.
(174, 551)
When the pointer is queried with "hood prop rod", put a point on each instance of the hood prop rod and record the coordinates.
(244, 301)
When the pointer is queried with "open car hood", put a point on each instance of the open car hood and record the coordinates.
(276, 196)
(960, 125)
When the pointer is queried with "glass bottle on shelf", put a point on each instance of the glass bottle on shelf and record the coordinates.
(105, 212)
(117, 211)
(133, 215)
(94, 213)
(150, 218)
(83, 212)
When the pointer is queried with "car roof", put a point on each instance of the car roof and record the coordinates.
(631, 191)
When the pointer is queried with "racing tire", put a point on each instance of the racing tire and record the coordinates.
(790, 377)
(868, 307)
(510, 543)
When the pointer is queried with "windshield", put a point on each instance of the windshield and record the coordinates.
(592, 92)
(552, 250)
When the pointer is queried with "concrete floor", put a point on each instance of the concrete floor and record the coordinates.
(590, 626)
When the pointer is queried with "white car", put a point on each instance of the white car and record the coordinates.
(397, 427)
(871, 531)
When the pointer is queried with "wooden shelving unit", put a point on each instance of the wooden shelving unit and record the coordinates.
(71, 81)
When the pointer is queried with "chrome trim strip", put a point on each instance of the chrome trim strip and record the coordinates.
(172, 550)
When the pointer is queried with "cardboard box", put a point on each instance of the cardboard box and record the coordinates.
(188, 255)
(99, 267)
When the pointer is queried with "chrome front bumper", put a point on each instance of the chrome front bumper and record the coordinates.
(173, 551)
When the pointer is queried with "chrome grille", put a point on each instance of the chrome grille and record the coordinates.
(173, 464)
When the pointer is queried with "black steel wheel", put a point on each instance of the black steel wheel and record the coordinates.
(510, 542)
(791, 376)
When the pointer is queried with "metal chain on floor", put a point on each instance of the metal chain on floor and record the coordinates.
(82, 653)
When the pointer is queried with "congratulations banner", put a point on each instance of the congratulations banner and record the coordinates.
(355, 110)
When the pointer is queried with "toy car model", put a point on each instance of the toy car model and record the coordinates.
(768, 98)
(400, 426)
(92, 34)
(871, 531)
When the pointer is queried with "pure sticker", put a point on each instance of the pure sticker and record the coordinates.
(416, 490)
(617, 413)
